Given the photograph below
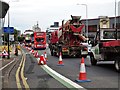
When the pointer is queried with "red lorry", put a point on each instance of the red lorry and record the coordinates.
(39, 40)
(69, 39)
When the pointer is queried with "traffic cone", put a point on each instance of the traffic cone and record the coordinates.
(82, 74)
(27, 48)
(31, 51)
(24, 46)
(45, 54)
(42, 60)
(60, 62)
(36, 54)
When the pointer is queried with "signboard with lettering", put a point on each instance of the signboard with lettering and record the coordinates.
(8, 30)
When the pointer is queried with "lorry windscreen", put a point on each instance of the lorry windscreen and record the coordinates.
(111, 35)
(39, 39)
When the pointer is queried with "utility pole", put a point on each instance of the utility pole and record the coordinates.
(86, 31)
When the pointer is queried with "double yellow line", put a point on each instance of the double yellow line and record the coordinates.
(20, 73)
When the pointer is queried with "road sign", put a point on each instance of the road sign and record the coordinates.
(11, 37)
(8, 30)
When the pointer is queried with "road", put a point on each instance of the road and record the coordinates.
(103, 76)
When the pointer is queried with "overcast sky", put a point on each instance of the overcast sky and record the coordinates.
(25, 13)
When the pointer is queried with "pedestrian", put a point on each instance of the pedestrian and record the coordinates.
(16, 51)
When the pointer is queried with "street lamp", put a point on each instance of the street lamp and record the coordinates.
(8, 27)
(115, 15)
(86, 18)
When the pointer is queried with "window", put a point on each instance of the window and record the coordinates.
(92, 28)
(39, 39)
(111, 35)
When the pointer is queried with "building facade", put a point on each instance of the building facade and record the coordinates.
(93, 24)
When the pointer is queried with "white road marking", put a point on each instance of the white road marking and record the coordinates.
(7, 65)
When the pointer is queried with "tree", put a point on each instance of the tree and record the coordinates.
(15, 35)
(21, 38)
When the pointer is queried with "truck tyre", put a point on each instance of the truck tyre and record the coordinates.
(93, 61)
(117, 63)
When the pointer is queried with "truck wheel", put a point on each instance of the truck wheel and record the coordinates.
(93, 61)
(117, 63)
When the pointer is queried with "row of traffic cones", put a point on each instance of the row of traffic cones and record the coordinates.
(82, 74)
(35, 54)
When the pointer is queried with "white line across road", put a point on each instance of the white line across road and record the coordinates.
(7, 65)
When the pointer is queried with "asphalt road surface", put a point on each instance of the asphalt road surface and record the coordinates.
(103, 76)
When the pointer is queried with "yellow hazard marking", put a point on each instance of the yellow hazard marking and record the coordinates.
(5, 47)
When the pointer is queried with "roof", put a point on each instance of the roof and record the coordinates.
(98, 18)
(3, 9)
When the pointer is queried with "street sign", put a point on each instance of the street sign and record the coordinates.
(11, 37)
(8, 30)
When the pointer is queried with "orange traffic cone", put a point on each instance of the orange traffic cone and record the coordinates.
(60, 62)
(42, 60)
(36, 54)
(31, 51)
(45, 54)
(82, 74)
(27, 48)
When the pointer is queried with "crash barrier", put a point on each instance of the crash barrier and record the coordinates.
(4, 53)
(2, 47)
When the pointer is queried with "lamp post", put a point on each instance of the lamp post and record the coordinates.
(8, 34)
(115, 21)
(9, 26)
(86, 18)
(115, 15)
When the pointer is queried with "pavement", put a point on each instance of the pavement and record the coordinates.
(4, 61)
